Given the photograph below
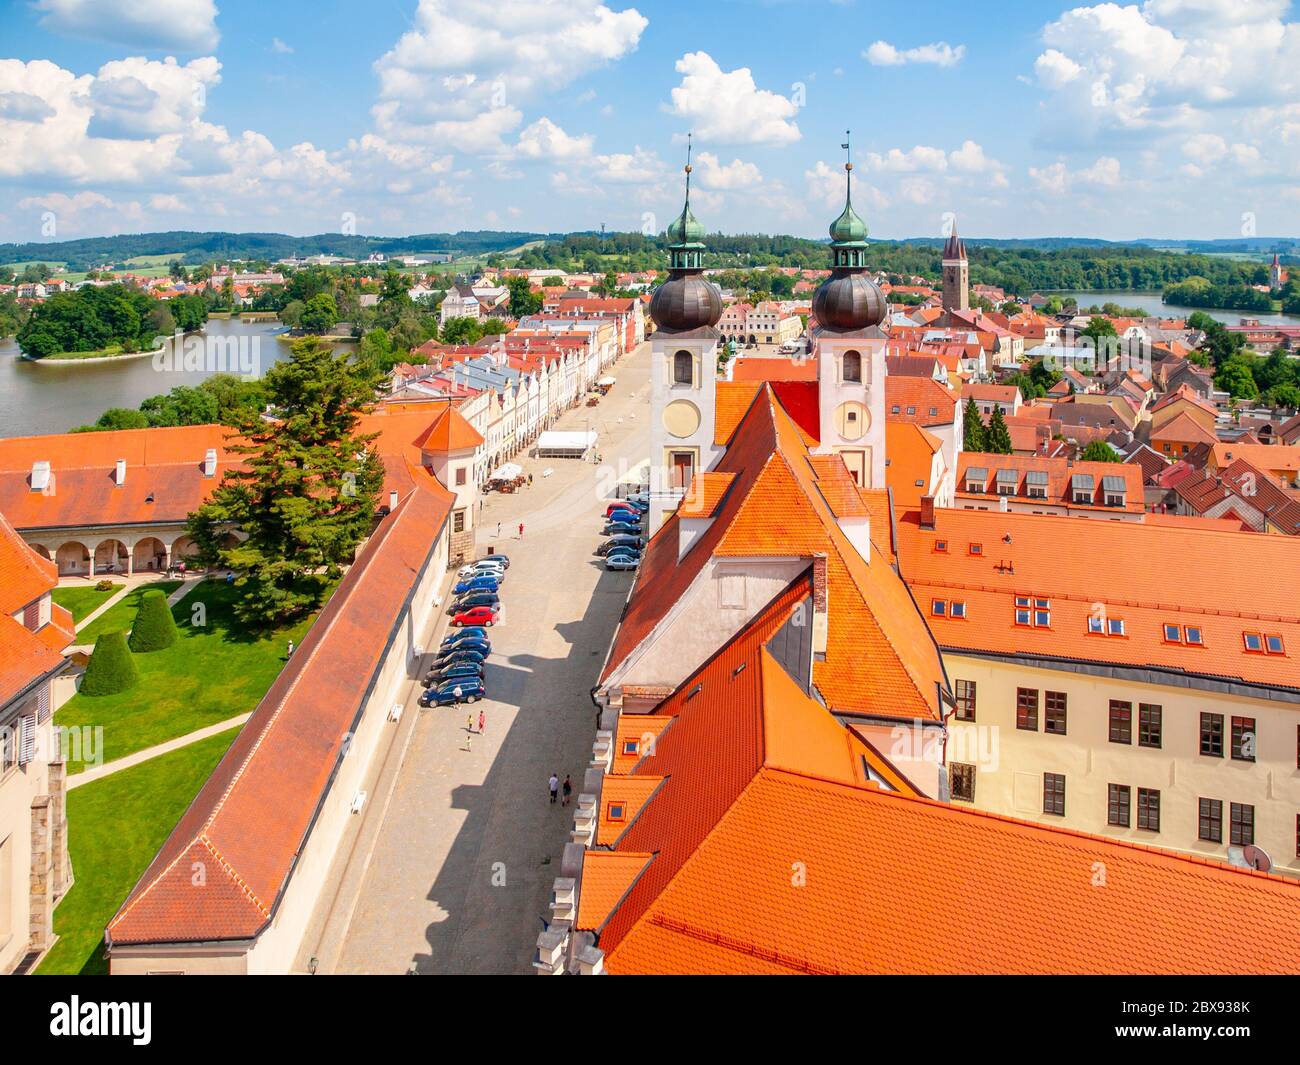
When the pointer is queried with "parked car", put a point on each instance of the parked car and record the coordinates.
(461, 690)
(482, 569)
(622, 562)
(461, 635)
(476, 584)
(473, 599)
(624, 556)
(460, 671)
(616, 527)
(621, 540)
(479, 615)
(629, 517)
(473, 646)
(501, 560)
(476, 658)
(626, 504)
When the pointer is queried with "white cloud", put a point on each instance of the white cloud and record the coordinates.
(188, 25)
(543, 139)
(463, 72)
(940, 54)
(922, 157)
(280, 47)
(726, 107)
(1059, 179)
(737, 174)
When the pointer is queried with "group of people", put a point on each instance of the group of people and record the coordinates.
(555, 788)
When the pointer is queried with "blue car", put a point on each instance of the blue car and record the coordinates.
(475, 657)
(477, 648)
(472, 599)
(476, 584)
(470, 632)
(616, 527)
(628, 517)
(501, 560)
(464, 690)
(464, 671)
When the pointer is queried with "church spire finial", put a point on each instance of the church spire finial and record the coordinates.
(689, 168)
(848, 166)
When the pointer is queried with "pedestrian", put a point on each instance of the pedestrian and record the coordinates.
(568, 789)
(521, 530)
(482, 721)
(498, 530)
(554, 785)
(530, 480)
(469, 722)
(290, 654)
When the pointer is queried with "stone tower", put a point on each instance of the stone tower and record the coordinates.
(683, 367)
(956, 274)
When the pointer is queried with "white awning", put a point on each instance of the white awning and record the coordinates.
(572, 444)
(607, 382)
(507, 472)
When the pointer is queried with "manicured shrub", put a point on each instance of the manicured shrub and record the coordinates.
(154, 627)
(111, 669)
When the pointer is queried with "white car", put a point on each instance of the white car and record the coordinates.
(483, 569)
(623, 562)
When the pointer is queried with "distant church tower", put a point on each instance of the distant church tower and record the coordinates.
(1276, 275)
(683, 366)
(956, 274)
(849, 343)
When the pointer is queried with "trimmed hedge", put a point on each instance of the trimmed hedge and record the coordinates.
(111, 669)
(154, 627)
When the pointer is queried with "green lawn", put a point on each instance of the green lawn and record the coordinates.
(82, 601)
(115, 827)
(121, 615)
(212, 673)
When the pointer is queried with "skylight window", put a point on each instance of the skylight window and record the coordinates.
(1096, 625)
(1173, 634)
(1115, 626)
(1033, 612)
(1273, 645)
(1194, 636)
(617, 811)
(957, 609)
(938, 608)
(1254, 641)
(629, 746)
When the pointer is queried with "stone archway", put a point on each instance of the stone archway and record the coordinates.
(73, 559)
(149, 554)
(41, 550)
(112, 556)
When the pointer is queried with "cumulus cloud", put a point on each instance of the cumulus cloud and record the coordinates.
(727, 107)
(1059, 179)
(737, 174)
(466, 68)
(187, 25)
(543, 139)
(939, 54)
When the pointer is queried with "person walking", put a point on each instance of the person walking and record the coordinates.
(530, 480)
(554, 785)
(469, 722)
(498, 530)
(521, 530)
(482, 722)
(568, 789)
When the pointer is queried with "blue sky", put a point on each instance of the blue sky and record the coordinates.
(1170, 118)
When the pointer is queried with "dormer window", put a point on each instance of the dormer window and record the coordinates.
(1114, 491)
(976, 478)
(629, 746)
(1007, 482)
(1036, 484)
(852, 367)
(616, 811)
(1082, 487)
(683, 368)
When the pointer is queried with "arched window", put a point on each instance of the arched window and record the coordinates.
(683, 368)
(853, 367)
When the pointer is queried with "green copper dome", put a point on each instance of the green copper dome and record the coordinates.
(848, 228)
(686, 228)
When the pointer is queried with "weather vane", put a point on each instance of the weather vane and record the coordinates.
(848, 155)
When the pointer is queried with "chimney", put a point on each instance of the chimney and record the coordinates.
(41, 478)
(119, 473)
(210, 462)
(821, 606)
(392, 500)
(927, 512)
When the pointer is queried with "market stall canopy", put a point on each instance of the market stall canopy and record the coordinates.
(607, 382)
(573, 444)
(507, 472)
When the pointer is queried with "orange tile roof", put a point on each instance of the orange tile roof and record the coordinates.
(1060, 472)
(24, 575)
(911, 452)
(1148, 582)
(625, 795)
(883, 869)
(1183, 429)
(704, 495)
(920, 395)
(641, 729)
(449, 432)
(607, 876)
(778, 369)
(1268, 457)
(251, 820)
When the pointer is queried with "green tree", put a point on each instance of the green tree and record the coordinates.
(320, 314)
(1234, 377)
(462, 331)
(1100, 451)
(154, 627)
(305, 491)
(973, 428)
(523, 300)
(1287, 395)
(122, 418)
(111, 668)
(1098, 327)
(291, 313)
(997, 436)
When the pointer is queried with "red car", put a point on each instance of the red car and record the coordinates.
(479, 615)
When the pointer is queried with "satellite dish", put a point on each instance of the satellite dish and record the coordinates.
(1257, 858)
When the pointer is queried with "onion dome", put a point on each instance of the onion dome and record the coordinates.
(686, 301)
(849, 300)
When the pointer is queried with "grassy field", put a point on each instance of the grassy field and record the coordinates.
(82, 602)
(214, 672)
(115, 827)
(121, 615)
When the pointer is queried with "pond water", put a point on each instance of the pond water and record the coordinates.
(1153, 304)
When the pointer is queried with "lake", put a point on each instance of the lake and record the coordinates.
(53, 399)
(1152, 304)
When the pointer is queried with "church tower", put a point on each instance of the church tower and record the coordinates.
(684, 366)
(849, 343)
(956, 274)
